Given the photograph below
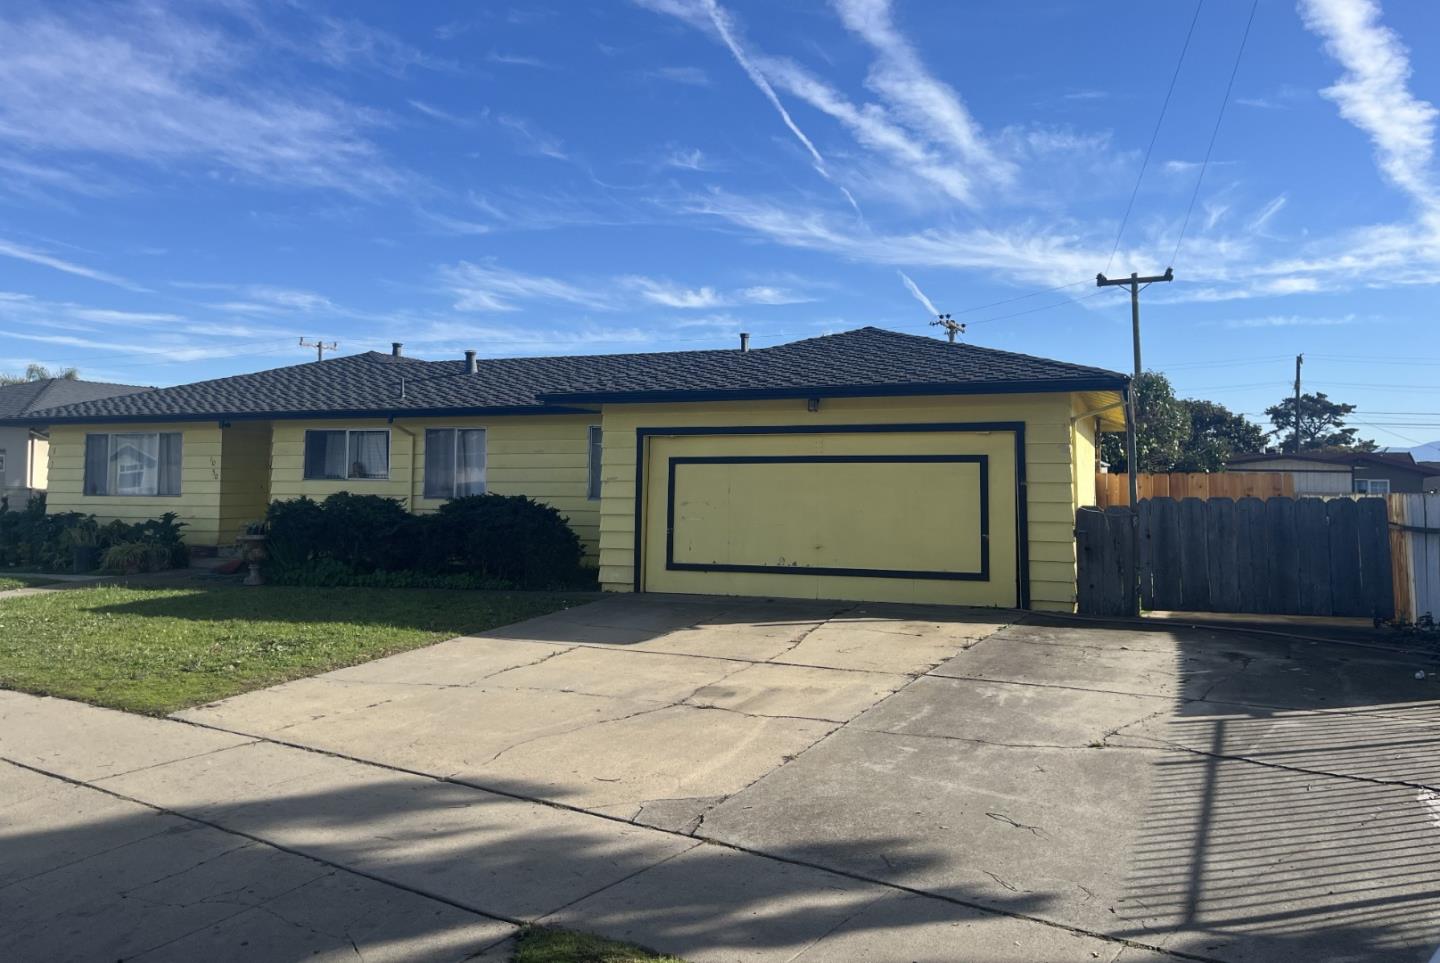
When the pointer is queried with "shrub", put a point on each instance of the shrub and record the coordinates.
(33, 539)
(295, 529)
(513, 538)
(479, 541)
(132, 558)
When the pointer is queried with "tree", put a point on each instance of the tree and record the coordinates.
(1322, 425)
(1181, 434)
(38, 372)
(1164, 427)
(1216, 433)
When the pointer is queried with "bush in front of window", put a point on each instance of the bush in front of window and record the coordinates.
(478, 541)
(511, 537)
(30, 538)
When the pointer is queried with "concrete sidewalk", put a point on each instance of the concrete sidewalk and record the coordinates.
(127, 837)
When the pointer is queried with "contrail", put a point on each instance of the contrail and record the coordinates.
(721, 20)
(918, 294)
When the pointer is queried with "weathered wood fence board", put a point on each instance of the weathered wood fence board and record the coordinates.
(1281, 556)
(1114, 488)
(1415, 552)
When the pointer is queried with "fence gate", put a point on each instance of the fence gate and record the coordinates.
(1280, 556)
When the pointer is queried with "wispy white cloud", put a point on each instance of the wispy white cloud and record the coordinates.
(928, 104)
(690, 76)
(1374, 94)
(488, 287)
(918, 294)
(23, 253)
(872, 127)
(725, 28)
(517, 60)
(670, 295)
(1263, 216)
(156, 87)
(689, 159)
(1289, 321)
(436, 113)
(531, 139)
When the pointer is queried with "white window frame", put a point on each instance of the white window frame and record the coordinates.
(455, 460)
(1372, 486)
(305, 444)
(112, 470)
(594, 457)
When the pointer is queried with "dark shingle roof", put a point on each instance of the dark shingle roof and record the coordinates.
(25, 399)
(1402, 461)
(867, 361)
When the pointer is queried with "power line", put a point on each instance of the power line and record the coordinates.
(1200, 178)
(1043, 307)
(1164, 106)
(1022, 297)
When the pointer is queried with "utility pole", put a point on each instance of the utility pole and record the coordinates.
(1299, 360)
(320, 347)
(1132, 410)
(951, 327)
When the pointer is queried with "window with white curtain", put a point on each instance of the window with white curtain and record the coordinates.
(1372, 486)
(454, 462)
(341, 455)
(133, 463)
(592, 483)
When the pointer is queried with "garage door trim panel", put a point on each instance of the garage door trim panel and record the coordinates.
(1017, 428)
(983, 461)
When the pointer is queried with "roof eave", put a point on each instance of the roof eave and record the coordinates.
(1096, 383)
(319, 414)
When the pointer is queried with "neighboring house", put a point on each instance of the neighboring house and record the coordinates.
(1431, 482)
(864, 465)
(24, 443)
(1340, 472)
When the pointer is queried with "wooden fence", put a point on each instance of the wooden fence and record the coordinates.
(1114, 489)
(1281, 556)
(1415, 554)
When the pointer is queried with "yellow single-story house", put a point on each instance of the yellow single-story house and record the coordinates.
(865, 465)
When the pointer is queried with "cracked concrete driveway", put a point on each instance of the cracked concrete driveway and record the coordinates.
(777, 780)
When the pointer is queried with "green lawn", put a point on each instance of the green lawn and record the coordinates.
(540, 945)
(8, 582)
(156, 650)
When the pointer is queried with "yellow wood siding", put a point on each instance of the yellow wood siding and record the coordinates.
(1050, 452)
(542, 456)
(197, 505)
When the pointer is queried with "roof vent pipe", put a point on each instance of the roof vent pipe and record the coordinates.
(397, 349)
(744, 340)
(470, 366)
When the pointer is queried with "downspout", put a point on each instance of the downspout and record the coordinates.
(410, 495)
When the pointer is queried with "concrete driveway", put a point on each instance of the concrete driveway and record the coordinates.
(758, 780)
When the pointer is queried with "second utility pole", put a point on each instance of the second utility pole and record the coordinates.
(1132, 410)
(1299, 360)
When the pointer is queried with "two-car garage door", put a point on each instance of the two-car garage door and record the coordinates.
(902, 513)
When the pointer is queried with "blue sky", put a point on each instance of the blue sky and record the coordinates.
(187, 189)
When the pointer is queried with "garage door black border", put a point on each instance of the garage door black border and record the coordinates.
(1017, 428)
(983, 461)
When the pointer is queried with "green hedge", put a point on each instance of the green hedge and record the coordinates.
(29, 538)
(479, 541)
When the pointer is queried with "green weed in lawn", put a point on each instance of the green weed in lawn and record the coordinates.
(156, 650)
(538, 944)
(8, 582)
